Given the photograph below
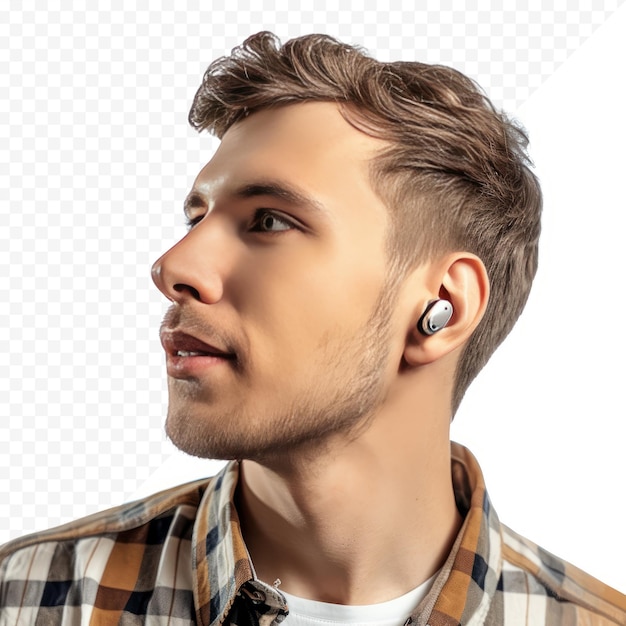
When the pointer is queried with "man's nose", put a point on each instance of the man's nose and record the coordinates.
(190, 269)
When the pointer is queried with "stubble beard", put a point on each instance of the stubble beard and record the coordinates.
(339, 400)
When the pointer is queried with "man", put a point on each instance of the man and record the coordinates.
(362, 240)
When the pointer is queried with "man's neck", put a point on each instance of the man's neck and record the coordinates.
(365, 522)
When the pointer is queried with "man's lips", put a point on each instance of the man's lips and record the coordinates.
(191, 358)
(177, 343)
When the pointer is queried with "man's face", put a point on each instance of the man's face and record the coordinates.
(280, 330)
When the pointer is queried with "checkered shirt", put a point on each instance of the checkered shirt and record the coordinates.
(178, 558)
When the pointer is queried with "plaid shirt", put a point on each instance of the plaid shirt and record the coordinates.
(178, 558)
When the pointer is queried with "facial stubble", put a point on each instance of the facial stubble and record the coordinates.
(339, 398)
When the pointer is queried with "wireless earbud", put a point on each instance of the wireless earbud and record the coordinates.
(435, 317)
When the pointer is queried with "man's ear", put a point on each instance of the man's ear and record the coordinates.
(460, 278)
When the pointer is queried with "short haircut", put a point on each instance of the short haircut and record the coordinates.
(456, 177)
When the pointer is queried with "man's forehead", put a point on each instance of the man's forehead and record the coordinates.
(309, 129)
(292, 148)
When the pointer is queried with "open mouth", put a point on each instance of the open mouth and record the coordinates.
(180, 344)
(190, 358)
(190, 353)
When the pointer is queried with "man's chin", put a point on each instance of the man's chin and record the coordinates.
(196, 441)
(233, 438)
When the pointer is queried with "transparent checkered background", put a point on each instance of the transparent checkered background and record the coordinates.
(95, 159)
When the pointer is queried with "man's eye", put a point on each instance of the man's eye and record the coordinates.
(268, 222)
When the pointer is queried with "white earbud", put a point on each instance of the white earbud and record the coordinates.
(435, 317)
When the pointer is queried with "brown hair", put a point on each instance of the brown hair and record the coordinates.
(456, 176)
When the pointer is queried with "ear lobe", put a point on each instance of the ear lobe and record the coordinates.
(461, 279)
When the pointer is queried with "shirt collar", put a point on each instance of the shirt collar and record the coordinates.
(221, 563)
(463, 588)
(469, 578)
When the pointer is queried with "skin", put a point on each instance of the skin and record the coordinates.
(337, 406)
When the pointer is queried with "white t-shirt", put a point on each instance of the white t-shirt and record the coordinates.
(303, 612)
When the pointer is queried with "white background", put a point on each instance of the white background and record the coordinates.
(96, 158)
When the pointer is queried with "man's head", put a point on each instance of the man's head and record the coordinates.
(345, 194)
(454, 177)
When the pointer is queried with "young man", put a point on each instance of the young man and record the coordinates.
(362, 240)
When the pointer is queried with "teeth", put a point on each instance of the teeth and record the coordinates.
(187, 353)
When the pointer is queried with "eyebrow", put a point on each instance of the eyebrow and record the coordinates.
(273, 189)
(279, 191)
